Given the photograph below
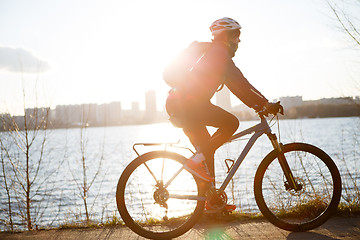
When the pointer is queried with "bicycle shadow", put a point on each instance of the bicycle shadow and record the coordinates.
(219, 233)
(253, 229)
(210, 228)
(308, 235)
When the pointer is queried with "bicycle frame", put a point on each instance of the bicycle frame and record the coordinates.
(258, 130)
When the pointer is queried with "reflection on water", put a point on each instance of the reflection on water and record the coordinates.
(113, 147)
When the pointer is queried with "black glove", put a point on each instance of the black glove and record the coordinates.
(275, 108)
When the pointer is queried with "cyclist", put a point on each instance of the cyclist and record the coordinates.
(188, 103)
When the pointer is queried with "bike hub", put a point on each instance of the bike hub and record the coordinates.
(161, 195)
(300, 185)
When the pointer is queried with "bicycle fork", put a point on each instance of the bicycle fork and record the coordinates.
(290, 180)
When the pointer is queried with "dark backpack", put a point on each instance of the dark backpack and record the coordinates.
(177, 72)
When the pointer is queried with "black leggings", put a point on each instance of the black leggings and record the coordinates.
(199, 116)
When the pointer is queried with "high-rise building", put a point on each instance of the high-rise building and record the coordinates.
(135, 107)
(62, 114)
(288, 102)
(223, 99)
(150, 105)
(114, 112)
(89, 113)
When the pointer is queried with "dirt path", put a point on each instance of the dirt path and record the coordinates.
(335, 228)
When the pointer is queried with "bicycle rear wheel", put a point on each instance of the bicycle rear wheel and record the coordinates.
(151, 208)
(305, 208)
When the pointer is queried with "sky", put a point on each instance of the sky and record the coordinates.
(86, 51)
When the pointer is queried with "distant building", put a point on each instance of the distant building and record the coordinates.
(89, 113)
(109, 113)
(39, 113)
(37, 116)
(223, 99)
(134, 115)
(150, 105)
(289, 102)
(335, 101)
(102, 114)
(135, 107)
(52, 115)
(243, 112)
(5, 119)
(114, 112)
(61, 112)
(74, 115)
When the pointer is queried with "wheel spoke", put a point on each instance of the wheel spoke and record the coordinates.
(173, 177)
(311, 204)
(169, 205)
(152, 174)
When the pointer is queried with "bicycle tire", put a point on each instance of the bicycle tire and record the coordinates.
(157, 227)
(312, 208)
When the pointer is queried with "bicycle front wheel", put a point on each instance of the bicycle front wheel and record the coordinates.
(318, 193)
(157, 198)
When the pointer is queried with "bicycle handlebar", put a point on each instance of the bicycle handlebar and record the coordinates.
(274, 109)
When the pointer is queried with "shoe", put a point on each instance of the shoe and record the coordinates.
(230, 207)
(198, 168)
(227, 208)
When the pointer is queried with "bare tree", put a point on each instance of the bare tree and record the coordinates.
(24, 154)
(87, 180)
(347, 19)
(6, 183)
(346, 13)
(25, 170)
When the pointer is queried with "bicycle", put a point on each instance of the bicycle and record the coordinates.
(297, 187)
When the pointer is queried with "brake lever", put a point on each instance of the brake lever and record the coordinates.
(281, 110)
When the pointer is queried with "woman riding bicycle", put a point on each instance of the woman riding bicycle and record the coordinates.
(189, 105)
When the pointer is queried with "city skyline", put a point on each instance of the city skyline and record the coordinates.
(87, 52)
(113, 112)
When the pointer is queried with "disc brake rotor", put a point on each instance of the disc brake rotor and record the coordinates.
(301, 187)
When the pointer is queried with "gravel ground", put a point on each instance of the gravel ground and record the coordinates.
(335, 228)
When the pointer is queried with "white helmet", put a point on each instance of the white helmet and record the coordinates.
(223, 24)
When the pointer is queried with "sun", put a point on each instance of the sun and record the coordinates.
(113, 60)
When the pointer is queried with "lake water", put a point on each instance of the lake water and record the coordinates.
(108, 150)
